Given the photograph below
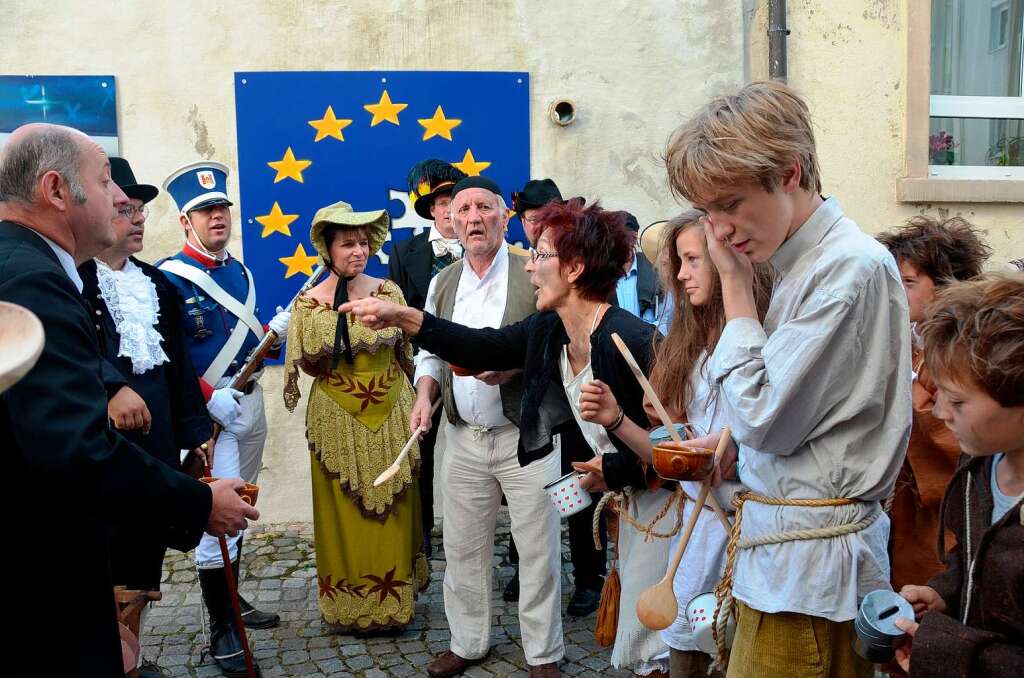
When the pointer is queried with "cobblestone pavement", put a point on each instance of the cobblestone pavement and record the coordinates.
(280, 575)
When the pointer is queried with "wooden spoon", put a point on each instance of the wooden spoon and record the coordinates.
(390, 471)
(665, 419)
(657, 607)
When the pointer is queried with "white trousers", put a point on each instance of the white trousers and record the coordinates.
(237, 454)
(477, 468)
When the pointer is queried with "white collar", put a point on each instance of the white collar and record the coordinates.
(132, 301)
(67, 262)
(499, 264)
(436, 235)
(442, 245)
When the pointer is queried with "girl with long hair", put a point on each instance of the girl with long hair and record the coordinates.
(680, 379)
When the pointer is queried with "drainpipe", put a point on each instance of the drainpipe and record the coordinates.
(777, 32)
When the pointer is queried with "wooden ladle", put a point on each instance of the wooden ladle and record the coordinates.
(390, 471)
(663, 414)
(21, 342)
(657, 607)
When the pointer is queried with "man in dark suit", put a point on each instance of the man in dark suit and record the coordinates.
(413, 263)
(637, 291)
(73, 476)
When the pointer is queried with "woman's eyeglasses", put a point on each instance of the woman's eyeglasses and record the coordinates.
(537, 254)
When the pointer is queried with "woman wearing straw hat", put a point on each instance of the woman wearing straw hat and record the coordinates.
(356, 423)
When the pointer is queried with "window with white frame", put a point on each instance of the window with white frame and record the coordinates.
(976, 109)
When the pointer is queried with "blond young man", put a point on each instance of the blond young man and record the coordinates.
(820, 389)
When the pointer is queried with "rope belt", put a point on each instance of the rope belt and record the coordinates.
(723, 591)
(621, 507)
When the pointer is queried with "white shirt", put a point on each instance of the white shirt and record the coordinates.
(67, 262)
(821, 404)
(704, 559)
(479, 302)
(595, 434)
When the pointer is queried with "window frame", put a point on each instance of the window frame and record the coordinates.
(953, 183)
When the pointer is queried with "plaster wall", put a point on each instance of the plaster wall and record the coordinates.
(634, 69)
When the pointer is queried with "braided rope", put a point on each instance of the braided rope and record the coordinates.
(678, 498)
(596, 521)
(723, 591)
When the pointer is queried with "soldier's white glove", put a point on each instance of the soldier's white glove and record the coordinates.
(279, 324)
(223, 406)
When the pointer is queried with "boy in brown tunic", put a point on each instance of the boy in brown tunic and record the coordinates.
(972, 615)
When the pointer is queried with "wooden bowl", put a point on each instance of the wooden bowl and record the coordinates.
(249, 493)
(673, 461)
(21, 342)
(462, 371)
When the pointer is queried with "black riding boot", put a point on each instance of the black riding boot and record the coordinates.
(225, 643)
(251, 617)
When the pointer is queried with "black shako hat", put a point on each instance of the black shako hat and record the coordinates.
(476, 182)
(536, 193)
(121, 173)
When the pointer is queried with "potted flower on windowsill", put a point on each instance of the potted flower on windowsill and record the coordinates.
(940, 148)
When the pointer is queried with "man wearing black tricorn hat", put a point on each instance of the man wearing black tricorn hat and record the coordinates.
(412, 264)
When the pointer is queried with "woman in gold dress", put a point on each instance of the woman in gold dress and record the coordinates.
(368, 539)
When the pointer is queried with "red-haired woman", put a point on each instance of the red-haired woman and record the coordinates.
(582, 251)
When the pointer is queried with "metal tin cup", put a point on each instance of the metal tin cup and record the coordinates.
(700, 613)
(567, 496)
(686, 432)
(875, 624)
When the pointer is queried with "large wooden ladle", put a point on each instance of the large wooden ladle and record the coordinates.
(657, 607)
(21, 342)
(663, 414)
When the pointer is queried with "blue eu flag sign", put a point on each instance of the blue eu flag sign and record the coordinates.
(308, 139)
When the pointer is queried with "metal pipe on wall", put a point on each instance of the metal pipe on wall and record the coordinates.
(777, 32)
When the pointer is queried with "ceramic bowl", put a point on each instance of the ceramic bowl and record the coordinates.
(462, 371)
(673, 461)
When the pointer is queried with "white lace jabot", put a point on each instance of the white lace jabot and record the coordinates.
(131, 298)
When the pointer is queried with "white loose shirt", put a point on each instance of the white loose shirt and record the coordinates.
(479, 302)
(820, 402)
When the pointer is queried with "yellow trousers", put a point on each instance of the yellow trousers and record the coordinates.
(791, 645)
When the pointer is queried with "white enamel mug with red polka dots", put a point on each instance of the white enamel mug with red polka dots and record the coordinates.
(701, 613)
(567, 496)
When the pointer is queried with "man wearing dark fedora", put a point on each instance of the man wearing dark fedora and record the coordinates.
(527, 203)
(154, 396)
(412, 264)
(637, 291)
